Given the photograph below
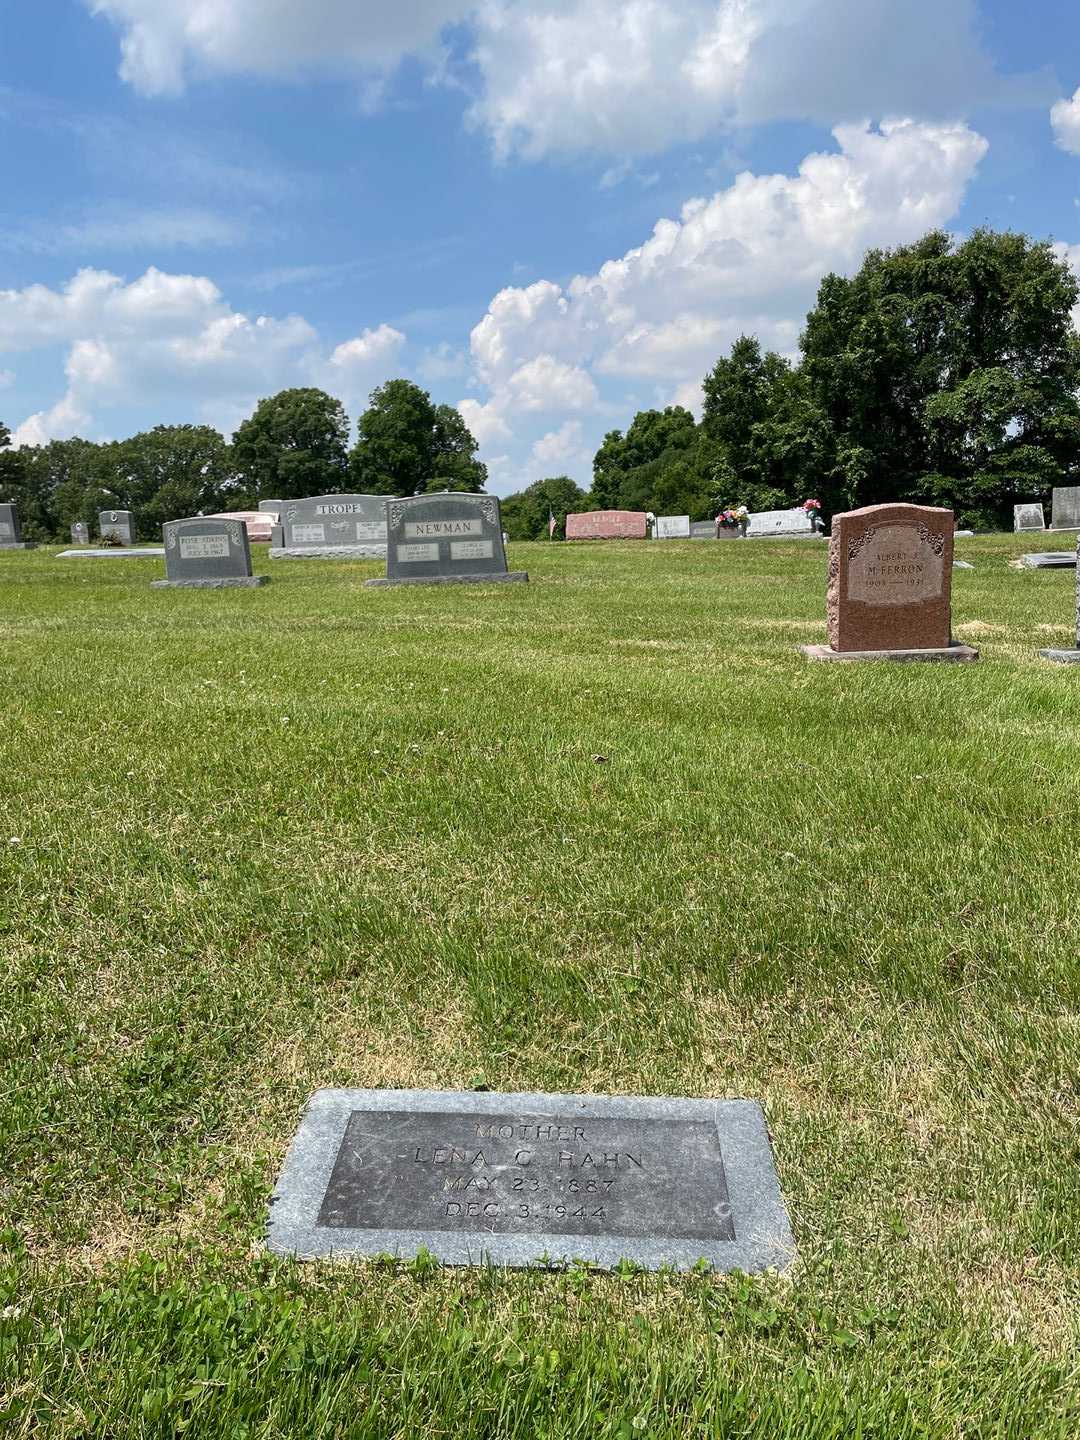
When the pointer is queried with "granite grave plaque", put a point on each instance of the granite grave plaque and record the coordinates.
(672, 527)
(117, 525)
(608, 525)
(1048, 560)
(890, 586)
(207, 553)
(703, 530)
(446, 537)
(514, 1179)
(11, 531)
(1069, 657)
(1028, 517)
(788, 523)
(336, 527)
(1065, 509)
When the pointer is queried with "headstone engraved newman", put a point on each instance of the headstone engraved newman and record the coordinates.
(207, 553)
(10, 531)
(512, 1179)
(117, 525)
(1065, 510)
(336, 527)
(1069, 657)
(447, 537)
(890, 585)
(1028, 517)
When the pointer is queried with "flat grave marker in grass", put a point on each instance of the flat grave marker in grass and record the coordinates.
(890, 586)
(445, 538)
(117, 525)
(207, 553)
(334, 527)
(1069, 657)
(517, 1179)
(11, 531)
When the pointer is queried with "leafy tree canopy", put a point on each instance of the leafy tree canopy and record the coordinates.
(295, 444)
(526, 515)
(406, 445)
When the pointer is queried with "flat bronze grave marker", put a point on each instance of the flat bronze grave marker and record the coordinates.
(518, 1179)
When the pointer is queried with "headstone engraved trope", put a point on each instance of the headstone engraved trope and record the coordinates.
(608, 525)
(447, 537)
(890, 586)
(1065, 508)
(207, 553)
(11, 531)
(1069, 657)
(514, 1179)
(1028, 517)
(117, 525)
(332, 527)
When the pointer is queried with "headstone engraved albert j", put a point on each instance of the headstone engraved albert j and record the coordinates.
(1069, 657)
(890, 586)
(10, 531)
(335, 527)
(513, 1179)
(672, 527)
(117, 525)
(448, 537)
(1065, 510)
(207, 554)
(80, 533)
(608, 525)
(1028, 517)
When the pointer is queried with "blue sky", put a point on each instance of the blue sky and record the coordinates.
(549, 212)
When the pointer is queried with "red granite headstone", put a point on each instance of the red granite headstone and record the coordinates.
(890, 579)
(608, 525)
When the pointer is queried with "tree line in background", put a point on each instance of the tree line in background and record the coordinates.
(295, 444)
(941, 372)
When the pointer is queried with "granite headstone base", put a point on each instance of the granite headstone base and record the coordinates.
(518, 576)
(961, 653)
(1063, 657)
(328, 552)
(115, 552)
(521, 1180)
(230, 582)
(1050, 560)
(18, 545)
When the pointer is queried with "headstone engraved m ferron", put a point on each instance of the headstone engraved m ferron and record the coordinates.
(515, 1179)
(1069, 657)
(332, 527)
(207, 553)
(890, 585)
(447, 537)
(117, 525)
(10, 532)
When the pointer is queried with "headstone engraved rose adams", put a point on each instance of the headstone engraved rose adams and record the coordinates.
(1065, 509)
(80, 533)
(672, 527)
(117, 525)
(608, 525)
(10, 531)
(890, 585)
(1028, 517)
(334, 527)
(1069, 657)
(515, 1179)
(447, 537)
(207, 553)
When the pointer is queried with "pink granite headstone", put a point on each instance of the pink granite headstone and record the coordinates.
(608, 525)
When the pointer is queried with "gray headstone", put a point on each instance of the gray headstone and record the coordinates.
(1065, 510)
(271, 507)
(703, 530)
(780, 522)
(120, 524)
(1028, 517)
(277, 536)
(514, 1179)
(207, 553)
(1049, 560)
(334, 526)
(80, 533)
(672, 527)
(10, 530)
(445, 537)
(1070, 657)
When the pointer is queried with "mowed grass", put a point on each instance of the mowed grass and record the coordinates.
(605, 833)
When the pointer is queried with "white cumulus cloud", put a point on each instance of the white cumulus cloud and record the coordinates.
(1065, 120)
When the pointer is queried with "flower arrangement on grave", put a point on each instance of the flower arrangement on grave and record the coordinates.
(734, 518)
(812, 511)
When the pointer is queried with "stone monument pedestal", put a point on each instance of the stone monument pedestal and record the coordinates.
(328, 552)
(245, 582)
(962, 653)
(520, 576)
(1063, 657)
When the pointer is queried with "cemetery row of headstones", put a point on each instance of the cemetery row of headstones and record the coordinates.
(801, 522)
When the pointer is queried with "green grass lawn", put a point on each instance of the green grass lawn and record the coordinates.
(607, 832)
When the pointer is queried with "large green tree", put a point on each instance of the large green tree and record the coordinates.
(176, 470)
(748, 398)
(295, 444)
(627, 468)
(405, 445)
(947, 372)
(527, 515)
